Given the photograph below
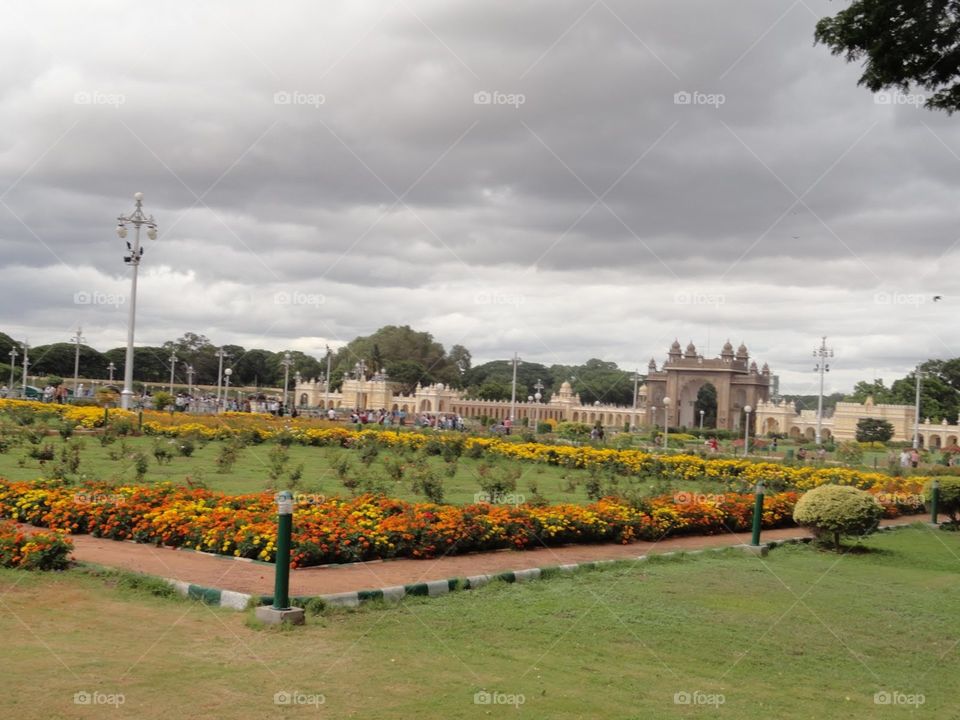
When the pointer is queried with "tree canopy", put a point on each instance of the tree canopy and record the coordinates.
(901, 44)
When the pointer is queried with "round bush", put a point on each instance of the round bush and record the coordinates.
(949, 500)
(831, 511)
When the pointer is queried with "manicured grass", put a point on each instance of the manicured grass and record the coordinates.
(801, 634)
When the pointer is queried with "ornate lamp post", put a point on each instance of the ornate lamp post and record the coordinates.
(746, 430)
(636, 387)
(226, 374)
(173, 367)
(190, 380)
(916, 412)
(26, 365)
(822, 353)
(221, 355)
(666, 423)
(537, 396)
(135, 252)
(111, 368)
(701, 420)
(513, 391)
(286, 362)
(76, 339)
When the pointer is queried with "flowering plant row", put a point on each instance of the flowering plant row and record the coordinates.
(37, 551)
(368, 527)
(734, 473)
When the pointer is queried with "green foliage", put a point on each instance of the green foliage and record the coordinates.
(140, 465)
(573, 430)
(899, 45)
(949, 499)
(278, 457)
(850, 452)
(832, 511)
(162, 451)
(228, 455)
(162, 400)
(874, 430)
(426, 482)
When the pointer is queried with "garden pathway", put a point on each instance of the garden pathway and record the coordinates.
(257, 578)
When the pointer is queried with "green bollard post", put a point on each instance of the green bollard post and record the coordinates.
(757, 514)
(934, 500)
(281, 584)
(106, 416)
(140, 421)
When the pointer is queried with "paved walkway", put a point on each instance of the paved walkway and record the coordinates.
(257, 578)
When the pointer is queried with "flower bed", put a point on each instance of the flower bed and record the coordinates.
(37, 551)
(369, 527)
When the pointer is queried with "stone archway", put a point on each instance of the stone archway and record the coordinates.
(304, 399)
(425, 406)
(771, 426)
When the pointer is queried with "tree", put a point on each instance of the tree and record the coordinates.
(461, 359)
(831, 511)
(876, 390)
(707, 402)
(874, 430)
(900, 44)
(408, 373)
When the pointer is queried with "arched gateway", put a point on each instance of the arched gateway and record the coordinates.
(736, 379)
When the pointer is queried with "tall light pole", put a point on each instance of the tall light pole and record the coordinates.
(537, 396)
(190, 380)
(326, 384)
(297, 379)
(513, 391)
(77, 339)
(220, 356)
(134, 253)
(286, 362)
(746, 430)
(701, 420)
(110, 369)
(226, 374)
(822, 353)
(13, 365)
(26, 365)
(666, 423)
(636, 389)
(916, 412)
(173, 367)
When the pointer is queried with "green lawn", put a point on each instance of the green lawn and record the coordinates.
(801, 634)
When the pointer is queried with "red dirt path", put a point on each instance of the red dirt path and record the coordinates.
(229, 574)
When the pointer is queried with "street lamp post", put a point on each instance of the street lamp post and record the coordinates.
(916, 412)
(326, 384)
(636, 388)
(286, 362)
(537, 397)
(666, 423)
(190, 380)
(513, 391)
(135, 253)
(822, 353)
(221, 355)
(26, 365)
(13, 364)
(226, 374)
(746, 430)
(111, 368)
(701, 420)
(77, 339)
(173, 367)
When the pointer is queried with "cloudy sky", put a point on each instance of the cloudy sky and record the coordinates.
(563, 179)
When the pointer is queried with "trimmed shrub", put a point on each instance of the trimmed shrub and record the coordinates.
(832, 511)
(949, 501)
